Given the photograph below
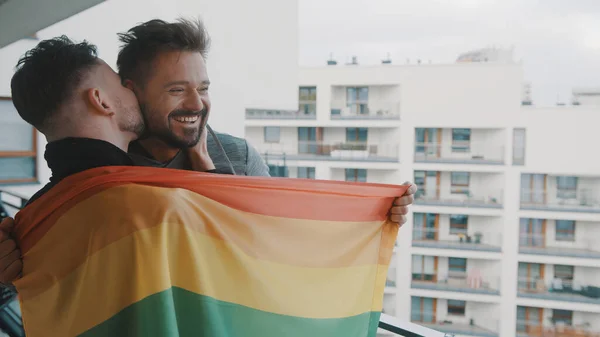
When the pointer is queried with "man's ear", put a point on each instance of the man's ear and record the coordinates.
(99, 101)
(129, 85)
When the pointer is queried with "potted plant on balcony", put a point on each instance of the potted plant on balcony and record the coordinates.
(461, 237)
(478, 236)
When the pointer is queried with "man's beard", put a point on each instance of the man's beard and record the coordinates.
(190, 138)
(133, 120)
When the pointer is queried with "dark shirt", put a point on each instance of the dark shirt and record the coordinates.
(73, 155)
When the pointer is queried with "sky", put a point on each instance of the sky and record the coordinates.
(557, 41)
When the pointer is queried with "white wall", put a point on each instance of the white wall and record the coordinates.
(481, 185)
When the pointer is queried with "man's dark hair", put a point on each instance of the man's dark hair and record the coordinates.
(47, 75)
(144, 42)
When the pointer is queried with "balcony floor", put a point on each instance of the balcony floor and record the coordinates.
(461, 329)
(468, 161)
(457, 203)
(560, 208)
(317, 157)
(555, 251)
(441, 244)
(440, 286)
(558, 296)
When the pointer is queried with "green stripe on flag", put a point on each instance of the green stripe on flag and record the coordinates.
(178, 312)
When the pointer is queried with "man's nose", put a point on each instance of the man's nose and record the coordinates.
(194, 102)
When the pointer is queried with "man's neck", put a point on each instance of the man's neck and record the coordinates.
(158, 149)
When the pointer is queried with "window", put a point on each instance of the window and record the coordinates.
(357, 99)
(422, 309)
(566, 187)
(457, 265)
(357, 135)
(425, 226)
(456, 308)
(306, 172)
(272, 134)
(563, 316)
(529, 275)
(519, 147)
(459, 182)
(461, 140)
(307, 100)
(532, 232)
(458, 224)
(565, 230)
(278, 171)
(563, 272)
(533, 188)
(357, 175)
(18, 146)
(424, 268)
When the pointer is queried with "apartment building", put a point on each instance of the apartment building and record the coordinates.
(504, 234)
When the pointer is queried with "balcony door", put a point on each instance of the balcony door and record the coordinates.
(532, 233)
(426, 226)
(529, 320)
(357, 99)
(423, 309)
(529, 275)
(533, 188)
(310, 140)
(428, 141)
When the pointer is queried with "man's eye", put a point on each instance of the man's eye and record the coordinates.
(203, 89)
(176, 90)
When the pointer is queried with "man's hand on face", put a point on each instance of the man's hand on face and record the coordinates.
(198, 154)
(11, 265)
(400, 207)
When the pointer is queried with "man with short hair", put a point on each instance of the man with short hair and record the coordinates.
(164, 64)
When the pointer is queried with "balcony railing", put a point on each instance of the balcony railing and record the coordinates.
(472, 283)
(378, 110)
(333, 151)
(463, 326)
(559, 329)
(582, 200)
(279, 114)
(479, 241)
(459, 153)
(461, 198)
(558, 290)
(569, 246)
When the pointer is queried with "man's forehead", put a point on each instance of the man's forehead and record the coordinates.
(178, 63)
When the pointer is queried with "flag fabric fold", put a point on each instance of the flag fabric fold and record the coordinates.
(132, 251)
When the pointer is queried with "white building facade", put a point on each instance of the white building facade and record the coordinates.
(503, 237)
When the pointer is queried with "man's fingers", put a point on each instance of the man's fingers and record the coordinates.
(406, 200)
(7, 247)
(398, 218)
(7, 224)
(399, 210)
(12, 272)
(412, 188)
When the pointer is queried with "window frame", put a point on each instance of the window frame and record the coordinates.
(459, 188)
(461, 145)
(265, 133)
(310, 172)
(354, 174)
(33, 153)
(461, 307)
(566, 235)
(457, 228)
(566, 192)
(452, 266)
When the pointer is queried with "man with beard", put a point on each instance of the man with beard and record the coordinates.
(164, 64)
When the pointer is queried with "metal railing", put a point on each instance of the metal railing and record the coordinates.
(456, 325)
(279, 114)
(460, 153)
(338, 151)
(558, 290)
(10, 313)
(581, 200)
(562, 245)
(557, 328)
(382, 110)
(459, 282)
(473, 240)
(458, 197)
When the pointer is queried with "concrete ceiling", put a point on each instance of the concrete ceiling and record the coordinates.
(23, 18)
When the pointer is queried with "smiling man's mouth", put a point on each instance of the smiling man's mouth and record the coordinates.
(187, 119)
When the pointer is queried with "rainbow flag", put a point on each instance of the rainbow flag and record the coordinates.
(132, 251)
